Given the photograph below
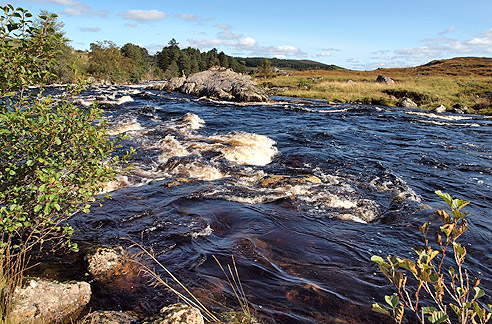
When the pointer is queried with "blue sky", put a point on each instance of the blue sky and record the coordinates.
(356, 34)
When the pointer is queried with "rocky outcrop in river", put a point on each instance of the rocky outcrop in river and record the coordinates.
(216, 83)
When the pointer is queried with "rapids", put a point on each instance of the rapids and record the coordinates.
(302, 193)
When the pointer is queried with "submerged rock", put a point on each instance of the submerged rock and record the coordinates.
(271, 181)
(177, 314)
(108, 317)
(406, 102)
(384, 79)
(49, 301)
(217, 83)
(104, 262)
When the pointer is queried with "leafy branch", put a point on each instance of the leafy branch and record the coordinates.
(451, 289)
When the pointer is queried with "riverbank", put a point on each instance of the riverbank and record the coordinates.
(463, 83)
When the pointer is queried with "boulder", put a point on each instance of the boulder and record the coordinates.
(49, 301)
(407, 103)
(104, 262)
(177, 314)
(175, 83)
(216, 83)
(439, 110)
(384, 79)
(108, 317)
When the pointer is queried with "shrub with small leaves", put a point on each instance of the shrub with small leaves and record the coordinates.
(451, 288)
(55, 156)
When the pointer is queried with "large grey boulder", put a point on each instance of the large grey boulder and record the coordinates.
(177, 314)
(217, 83)
(384, 79)
(49, 301)
(407, 103)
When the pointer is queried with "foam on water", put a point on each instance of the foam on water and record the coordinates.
(192, 121)
(171, 147)
(125, 126)
(246, 148)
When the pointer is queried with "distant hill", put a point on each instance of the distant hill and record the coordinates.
(296, 65)
(458, 66)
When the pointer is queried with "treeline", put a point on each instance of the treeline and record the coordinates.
(132, 63)
(297, 65)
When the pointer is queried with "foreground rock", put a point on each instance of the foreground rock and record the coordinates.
(177, 314)
(108, 317)
(216, 83)
(49, 301)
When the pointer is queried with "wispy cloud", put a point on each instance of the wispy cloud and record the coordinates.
(432, 48)
(132, 25)
(143, 15)
(226, 33)
(90, 29)
(193, 18)
(75, 8)
(448, 30)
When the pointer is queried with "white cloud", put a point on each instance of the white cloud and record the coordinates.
(245, 42)
(143, 15)
(322, 54)
(132, 25)
(249, 46)
(90, 29)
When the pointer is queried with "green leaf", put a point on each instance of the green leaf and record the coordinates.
(438, 317)
(478, 292)
(380, 309)
(392, 300)
(427, 310)
(447, 198)
(455, 309)
(57, 141)
(378, 259)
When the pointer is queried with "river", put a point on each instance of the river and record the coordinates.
(300, 192)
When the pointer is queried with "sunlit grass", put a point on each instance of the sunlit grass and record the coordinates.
(428, 90)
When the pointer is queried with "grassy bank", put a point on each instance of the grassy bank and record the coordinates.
(464, 81)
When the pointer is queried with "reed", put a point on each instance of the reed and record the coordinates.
(232, 276)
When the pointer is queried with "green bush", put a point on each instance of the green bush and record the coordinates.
(451, 288)
(55, 156)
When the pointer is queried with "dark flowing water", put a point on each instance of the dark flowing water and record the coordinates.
(207, 181)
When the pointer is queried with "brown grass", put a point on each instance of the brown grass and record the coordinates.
(464, 81)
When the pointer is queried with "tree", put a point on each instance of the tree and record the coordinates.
(55, 156)
(265, 69)
(106, 62)
(137, 61)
